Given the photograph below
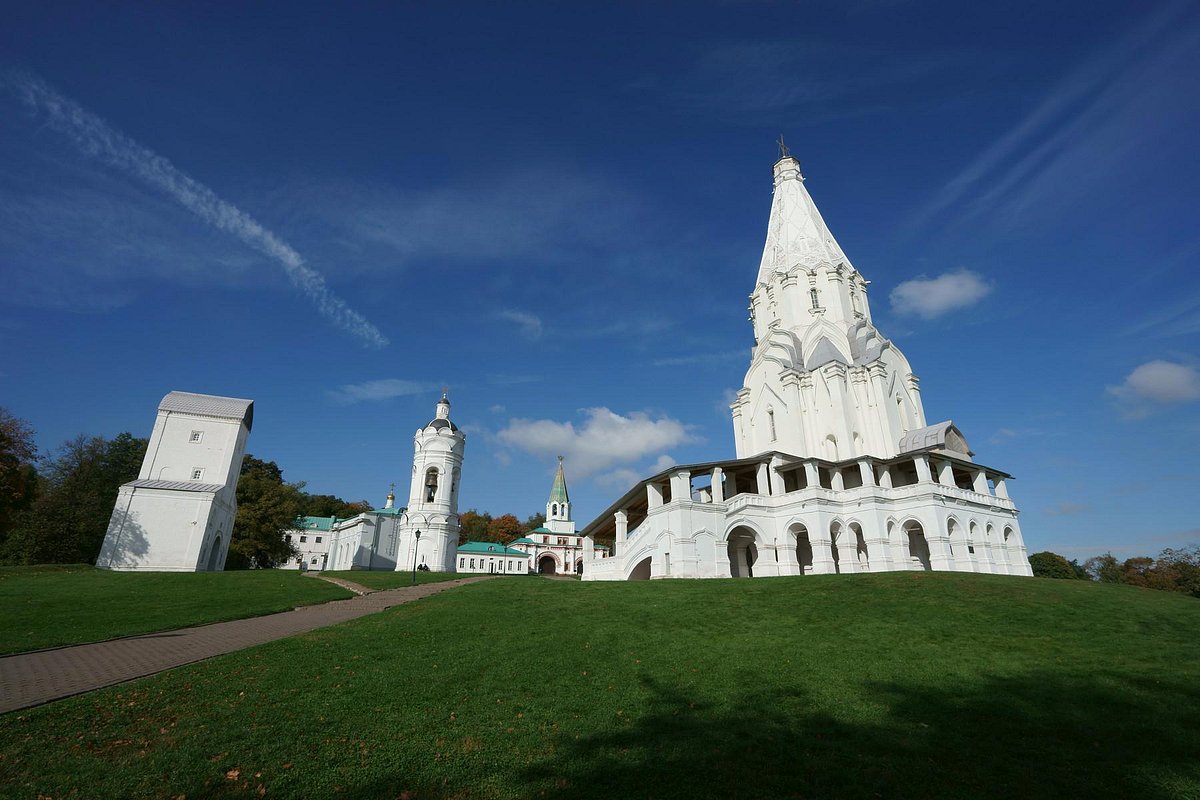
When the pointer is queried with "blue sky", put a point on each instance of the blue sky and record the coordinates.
(557, 210)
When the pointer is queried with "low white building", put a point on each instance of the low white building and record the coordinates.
(311, 539)
(370, 540)
(490, 558)
(178, 515)
(555, 548)
(836, 468)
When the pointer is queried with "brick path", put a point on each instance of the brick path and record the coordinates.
(30, 679)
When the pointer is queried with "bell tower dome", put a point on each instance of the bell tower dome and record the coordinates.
(429, 528)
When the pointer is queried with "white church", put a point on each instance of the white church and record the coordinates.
(836, 468)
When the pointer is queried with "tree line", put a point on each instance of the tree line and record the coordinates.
(55, 508)
(1174, 570)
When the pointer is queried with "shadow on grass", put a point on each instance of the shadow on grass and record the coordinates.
(1037, 736)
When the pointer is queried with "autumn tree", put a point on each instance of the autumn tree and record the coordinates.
(504, 529)
(1105, 568)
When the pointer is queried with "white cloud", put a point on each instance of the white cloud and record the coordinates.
(529, 324)
(604, 439)
(378, 390)
(624, 477)
(496, 409)
(97, 139)
(930, 298)
(1156, 383)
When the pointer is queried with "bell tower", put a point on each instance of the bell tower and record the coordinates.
(429, 528)
(558, 507)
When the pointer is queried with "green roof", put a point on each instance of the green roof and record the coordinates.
(388, 512)
(542, 529)
(489, 549)
(315, 523)
(558, 492)
(522, 540)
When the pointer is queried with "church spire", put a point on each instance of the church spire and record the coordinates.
(796, 233)
(558, 507)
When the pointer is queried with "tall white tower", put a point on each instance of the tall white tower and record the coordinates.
(558, 507)
(178, 515)
(822, 382)
(429, 528)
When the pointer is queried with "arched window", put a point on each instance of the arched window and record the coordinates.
(816, 300)
(431, 484)
(554, 510)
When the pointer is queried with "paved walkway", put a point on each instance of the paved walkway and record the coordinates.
(30, 679)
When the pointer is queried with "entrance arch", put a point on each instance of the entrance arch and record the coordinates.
(215, 554)
(742, 552)
(547, 565)
(918, 546)
(804, 551)
(642, 571)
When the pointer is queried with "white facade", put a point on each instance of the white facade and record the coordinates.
(489, 558)
(555, 548)
(836, 469)
(311, 539)
(370, 540)
(428, 528)
(178, 515)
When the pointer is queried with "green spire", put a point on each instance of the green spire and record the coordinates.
(558, 493)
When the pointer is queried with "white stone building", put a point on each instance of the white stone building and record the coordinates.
(178, 515)
(310, 537)
(489, 558)
(370, 540)
(555, 548)
(428, 528)
(836, 469)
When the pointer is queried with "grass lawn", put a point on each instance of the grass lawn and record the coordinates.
(51, 606)
(393, 580)
(892, 685)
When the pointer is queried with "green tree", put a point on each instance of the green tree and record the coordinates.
(1184, 563)
(1051, 565)
(267, 509)
(327, 505)
(68, 520)
(18, 473)
(1105, 568)
(535, 521)
(473, 526)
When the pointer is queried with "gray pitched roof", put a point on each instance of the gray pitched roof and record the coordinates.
(209, 405)
(179, 486)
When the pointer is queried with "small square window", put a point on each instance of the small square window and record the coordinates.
(318, 540)
(196, 437)
(304, 538)
(314, 559)
(197, 474)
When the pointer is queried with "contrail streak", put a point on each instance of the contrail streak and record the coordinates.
(97, 139)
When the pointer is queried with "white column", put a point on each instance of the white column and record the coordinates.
(946, 474)
(836, 481)
(979, 481)
(681, 485)
(763, 482)
(811, 476)
(654, 495)
(718, 489)
(776, 477)
(1001, 487)
(885, 476)
(868, 474)
(923, 473)
(621, 518)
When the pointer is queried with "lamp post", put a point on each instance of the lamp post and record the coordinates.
(416, 546)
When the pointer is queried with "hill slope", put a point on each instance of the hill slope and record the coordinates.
(893, 685)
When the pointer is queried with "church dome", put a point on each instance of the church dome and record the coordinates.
(440, 423)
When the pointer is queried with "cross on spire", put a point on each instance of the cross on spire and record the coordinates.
(783, 148)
